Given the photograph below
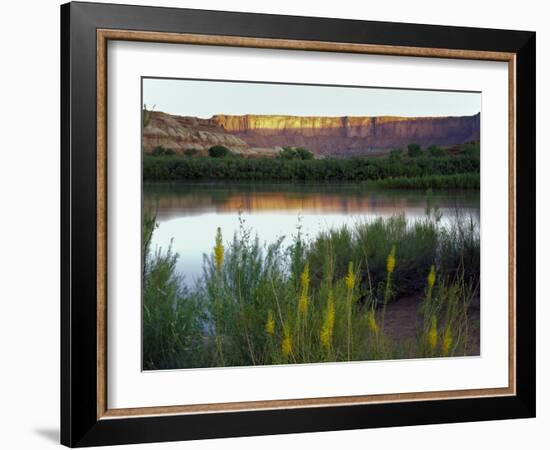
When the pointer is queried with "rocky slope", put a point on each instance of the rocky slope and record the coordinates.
(254, 135)
(182, 133)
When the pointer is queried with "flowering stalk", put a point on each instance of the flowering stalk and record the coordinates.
(286, 344)
(390, 267)
(350, 284)
(218, 262)
(219, 250)
(432, 334)
(327, 330)
(430, 318)
(431, 282)
(447, 341)
(270, 324)
(303, 304)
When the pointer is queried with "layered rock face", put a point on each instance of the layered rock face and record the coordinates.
(183, 133)
(350, 135)
(256, 135)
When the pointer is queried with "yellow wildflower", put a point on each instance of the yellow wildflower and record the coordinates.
(431, 277)
(390, 262)
(305, 277)
(286, 345)
(325, 337)
(447, 341)
(350, 277)
(328, 326)
(432, 334)
(371, 322)
(330, 311)
(218, 250)
(270, 324)
(303, 303)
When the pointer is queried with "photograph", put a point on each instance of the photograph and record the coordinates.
(297, 224)
(283, 222)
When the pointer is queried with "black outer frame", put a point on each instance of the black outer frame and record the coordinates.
(79, 423)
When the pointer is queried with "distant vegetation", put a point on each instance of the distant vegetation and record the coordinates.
(469, 180)
(434, 150)
(296, 153)
(159, 150)
(414, 150)
(433, 167)
(174, 168)
(218, 151)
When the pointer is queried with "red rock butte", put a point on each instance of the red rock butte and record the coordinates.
(264, 135)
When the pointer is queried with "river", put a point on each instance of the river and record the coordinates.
(188, 214)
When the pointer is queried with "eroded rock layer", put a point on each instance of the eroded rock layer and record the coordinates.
(255, 135)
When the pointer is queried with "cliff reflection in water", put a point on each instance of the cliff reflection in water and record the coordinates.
(186, 199)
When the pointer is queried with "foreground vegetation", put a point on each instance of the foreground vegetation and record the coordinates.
(319, 300)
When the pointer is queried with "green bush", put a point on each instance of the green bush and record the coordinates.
(471, 149)
(218, 151)
(191, 152)
(414, 150)
(395, 155)
(300, 153)
(435, 151)
(172, 317)
(159, 150)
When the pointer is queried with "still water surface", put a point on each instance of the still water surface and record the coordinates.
(188, 214)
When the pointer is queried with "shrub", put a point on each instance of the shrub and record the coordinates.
(471, 149)
(287, 153)
(395, 155)
(435, 151)
(159, 150)
(172, 317)
(218, 151)
(191, 152)
(299, 153)
(414, 150)
(304, 154)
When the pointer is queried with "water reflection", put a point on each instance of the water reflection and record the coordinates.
(189, 213)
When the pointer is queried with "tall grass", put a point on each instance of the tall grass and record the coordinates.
(468, 180)
(324, 299)
(173, 318)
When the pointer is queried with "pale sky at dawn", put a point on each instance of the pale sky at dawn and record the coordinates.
(203, 99)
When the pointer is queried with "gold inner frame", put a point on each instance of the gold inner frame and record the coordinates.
(103, 36)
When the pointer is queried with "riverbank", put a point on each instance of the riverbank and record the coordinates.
(459, 171)
(320, 299)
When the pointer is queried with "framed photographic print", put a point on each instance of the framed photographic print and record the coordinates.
(276, 224)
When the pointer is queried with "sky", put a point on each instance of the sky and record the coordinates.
(205, 98)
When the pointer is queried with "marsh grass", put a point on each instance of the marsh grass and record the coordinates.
(316, 300)
(468, 180)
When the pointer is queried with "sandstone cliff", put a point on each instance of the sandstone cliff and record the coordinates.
(253, 135)
(350, 135)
